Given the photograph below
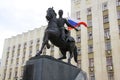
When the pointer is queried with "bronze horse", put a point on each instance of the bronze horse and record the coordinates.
(53, 34)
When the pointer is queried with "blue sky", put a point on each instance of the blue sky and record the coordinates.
(17, 16)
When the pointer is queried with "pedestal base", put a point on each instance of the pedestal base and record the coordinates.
(48, 68)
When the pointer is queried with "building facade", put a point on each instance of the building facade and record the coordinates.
(18, 49)
(99, 44)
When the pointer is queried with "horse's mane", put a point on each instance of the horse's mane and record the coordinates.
(53, 10)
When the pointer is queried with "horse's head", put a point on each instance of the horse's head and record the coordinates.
(50, 14)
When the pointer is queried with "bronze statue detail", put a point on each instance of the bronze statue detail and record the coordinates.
(60, 22)
(58, 36)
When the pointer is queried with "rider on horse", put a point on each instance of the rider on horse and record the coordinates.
(53, 34)
(65, 34)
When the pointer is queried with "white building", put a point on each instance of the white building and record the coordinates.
(99, 44)
(18, 49)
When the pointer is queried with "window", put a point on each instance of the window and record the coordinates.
(107, 33)
(92, 76)
(89, 22)
(17, 61)
(18, 53)
(30, 50)
(4, 74)
(119, 28)
(78, 38)
(37, 50)
(37, 47)
(117, 2)
(118, 14)
(90, 48)
(79, 63)
(8, 48)
(22, 70)
(7, 55)
(25, 44)
(16, 73)
(110, 76)
(78, 15)
(6, 62)
(109, 60)
(10, 74)
(31, 42)
(90, 35)
(38, 40)
(11, 60)
(19, 46)
(24, 52)
(13, 49)
(105, 19)
(91, 62)
(88, 11)
(23, 60)
(107, 46)
(79, 50)
(104, 6)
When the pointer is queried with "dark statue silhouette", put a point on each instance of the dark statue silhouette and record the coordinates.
(59, 36)
(60, 22)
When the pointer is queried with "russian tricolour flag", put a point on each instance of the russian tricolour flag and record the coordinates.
(76, 23)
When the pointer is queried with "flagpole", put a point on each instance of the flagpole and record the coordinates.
(68, 15)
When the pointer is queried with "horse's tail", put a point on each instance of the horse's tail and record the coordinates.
(75, 54)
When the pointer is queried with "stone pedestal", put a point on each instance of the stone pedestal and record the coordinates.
(48, 68)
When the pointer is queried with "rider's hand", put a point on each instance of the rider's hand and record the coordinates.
(76, 29)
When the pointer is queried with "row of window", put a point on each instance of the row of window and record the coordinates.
(19, 47)
(30, 55)
(109, 67)
(90, 47)
(15, 75)
(24, 45)
(104, 7)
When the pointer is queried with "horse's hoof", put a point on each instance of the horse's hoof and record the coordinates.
(59, 58)
(69, 62)
(37, 55)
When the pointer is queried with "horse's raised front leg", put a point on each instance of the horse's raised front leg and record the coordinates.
(45, 42)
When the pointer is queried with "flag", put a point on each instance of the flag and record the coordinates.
(76, 23)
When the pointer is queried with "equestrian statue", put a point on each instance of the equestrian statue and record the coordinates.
(58, 35)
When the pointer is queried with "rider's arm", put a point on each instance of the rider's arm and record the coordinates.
(69, 25)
